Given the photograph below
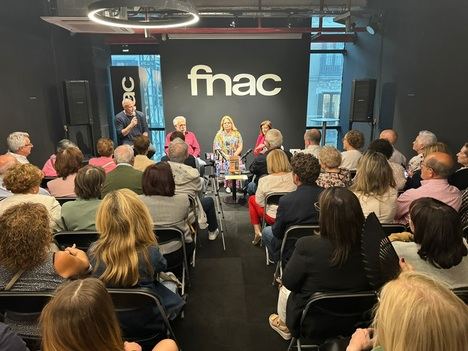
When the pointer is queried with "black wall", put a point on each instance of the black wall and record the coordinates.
(36, 58)
(420, 63)
(288, 59)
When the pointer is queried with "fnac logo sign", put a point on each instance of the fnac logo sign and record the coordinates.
(241, 85)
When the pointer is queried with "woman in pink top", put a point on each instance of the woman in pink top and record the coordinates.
(260, 148)
(49, 167)
(67, 164)
(105, 149)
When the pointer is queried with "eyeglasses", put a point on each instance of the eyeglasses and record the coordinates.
(423, 164)
(317, 206)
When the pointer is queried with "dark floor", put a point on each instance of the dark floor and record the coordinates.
(231, 295)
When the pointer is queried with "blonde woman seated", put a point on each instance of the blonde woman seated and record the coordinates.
(332, 174)
(127, 255)
(375, 187)
(279, 179)
(67, 164)
(438, 248)
(81, 316)
(25, 252)
(24, 180)
(415, 313)
(352, 142)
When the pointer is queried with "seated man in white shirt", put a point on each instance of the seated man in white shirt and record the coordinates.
(19, 146)
(312, 139)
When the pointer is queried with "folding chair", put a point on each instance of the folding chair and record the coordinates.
(62, 200)
(135, 310)
(178, 258)
(18, 306)
(329, 315)
(292, 234)
(462, 293)
(390, 228)
(82, 239)
(270, 199)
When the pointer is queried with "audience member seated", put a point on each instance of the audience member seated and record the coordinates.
(329, 262)
(105, 149)
(124, 175)
(385, 148)
(19, 146)
(140, 146)
(332, 175)
(273, 140)
(260, 147)
(227, 143)
(126, 254)
(67, 164)
(352, 142)
(415, 313)
(374, 186)
(190, 160)
(438, 248)
(9, 341)
(279, 179)
(6, 162)
(49, 167)
(423, 139)
(464, 209)
(297, 207)
(435, 169)
(312, 139)
(187, 181)
(23, 181)
(460, 177)
(180, 125)
(392, 136)
(167, 209)
(414, 181)
(81, 316)
(25, 255)
(81, 213)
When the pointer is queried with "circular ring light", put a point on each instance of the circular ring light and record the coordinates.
(143, 14)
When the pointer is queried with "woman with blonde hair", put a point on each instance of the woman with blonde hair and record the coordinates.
(126, 254)
(81, 317)
(24, 180)
(279, 179)
(227, 142)
(260, 147)
(374, 186)
(332, 174)
(416, 313)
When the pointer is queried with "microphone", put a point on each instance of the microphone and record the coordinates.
(246, 154)
(222, 154)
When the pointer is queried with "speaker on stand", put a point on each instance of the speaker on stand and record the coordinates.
(78, 110)
(362, 102)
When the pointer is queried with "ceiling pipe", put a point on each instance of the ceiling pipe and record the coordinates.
(250, 30)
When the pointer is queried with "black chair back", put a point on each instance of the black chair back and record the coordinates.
(82, 239)
(292, 234)
(462, 293)
(24, 308)
(393, 228)
(62, 200)
(45, 180)
(330, 314)
(141, 315)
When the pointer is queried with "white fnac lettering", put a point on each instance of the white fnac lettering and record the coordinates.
(241, 85)
(128, 89)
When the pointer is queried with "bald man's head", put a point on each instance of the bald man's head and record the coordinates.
(390, 135)
(6, 162)
(440, 163)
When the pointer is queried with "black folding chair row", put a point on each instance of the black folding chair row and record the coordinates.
(130, 305)
(270, 199)
(82, 239)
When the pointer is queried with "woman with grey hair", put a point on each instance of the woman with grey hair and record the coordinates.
(423, 139)
(332, 174)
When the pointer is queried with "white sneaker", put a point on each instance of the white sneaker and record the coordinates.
(213, 235)
(227, 190)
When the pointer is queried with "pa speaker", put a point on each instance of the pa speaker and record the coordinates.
(362, 100)
(82, 136)
(77, 102)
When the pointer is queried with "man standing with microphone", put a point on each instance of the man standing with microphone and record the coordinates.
(131, 123)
